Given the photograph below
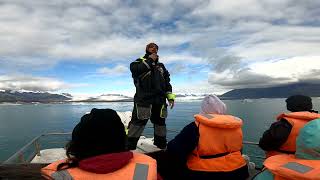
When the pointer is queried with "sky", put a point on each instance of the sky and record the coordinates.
(208, 46)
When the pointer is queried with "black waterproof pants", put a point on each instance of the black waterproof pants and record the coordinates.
(136, 126)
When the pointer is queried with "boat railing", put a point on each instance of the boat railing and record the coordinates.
(254, 144)
(258, 153)
(32, 149)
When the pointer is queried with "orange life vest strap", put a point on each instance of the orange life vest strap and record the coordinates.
(226, 163)
(212, 156)
(286, 152)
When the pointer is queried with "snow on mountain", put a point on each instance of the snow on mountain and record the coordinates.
(37, 96)
(189, 97)
(103, 97)
(30, 97)
(111, 97)
(121, 97)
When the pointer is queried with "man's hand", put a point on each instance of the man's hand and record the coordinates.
(154, 56)
(171, 104)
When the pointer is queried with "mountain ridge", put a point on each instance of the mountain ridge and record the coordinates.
(283, 91)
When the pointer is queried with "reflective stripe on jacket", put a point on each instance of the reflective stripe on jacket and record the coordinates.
(297, 120)
(141, 167)
(285, 167)
(152, 81)
(219, 144)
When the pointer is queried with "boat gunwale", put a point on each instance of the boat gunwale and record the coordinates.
(20, 153)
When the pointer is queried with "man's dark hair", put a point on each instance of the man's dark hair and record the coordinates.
(151, 44)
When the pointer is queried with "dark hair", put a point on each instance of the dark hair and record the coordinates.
(100, 132)
(151, 44)
(298, 103)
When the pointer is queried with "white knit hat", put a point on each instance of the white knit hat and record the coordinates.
(211, 104)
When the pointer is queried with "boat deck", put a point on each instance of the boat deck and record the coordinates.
(26, 165)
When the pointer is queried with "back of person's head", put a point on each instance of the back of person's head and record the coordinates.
(99, 132)
(298, 103)
(211, 104)
(308, 141)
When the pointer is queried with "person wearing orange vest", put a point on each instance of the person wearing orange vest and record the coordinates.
(304, 164)
(97, 151)
(281, 136)
(208, 148)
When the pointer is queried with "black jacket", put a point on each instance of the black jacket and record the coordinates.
(275, 136)
(152, 81)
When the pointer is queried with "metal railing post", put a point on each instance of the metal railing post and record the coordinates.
(21, 158)
(37, 147)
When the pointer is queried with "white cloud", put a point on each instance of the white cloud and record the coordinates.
(270, 73)
(226, 35)
(280, 41)
(230, 9)
(30, 83)
(199, 87)
(295, 68)
(117, 70)
(182, 58)
(104, 30)
(76, 30)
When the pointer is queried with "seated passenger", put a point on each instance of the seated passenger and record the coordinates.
(305, 164)
(97, 151)
(208, 148)
(282, 134)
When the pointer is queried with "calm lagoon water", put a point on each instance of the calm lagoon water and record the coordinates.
(19, 124)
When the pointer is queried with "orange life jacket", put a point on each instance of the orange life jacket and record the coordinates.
(287, 167)
(140, 167)
(297, 120)
(219, 145)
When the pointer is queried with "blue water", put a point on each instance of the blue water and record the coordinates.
(21, 123)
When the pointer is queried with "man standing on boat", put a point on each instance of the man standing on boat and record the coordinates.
(152, 82)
